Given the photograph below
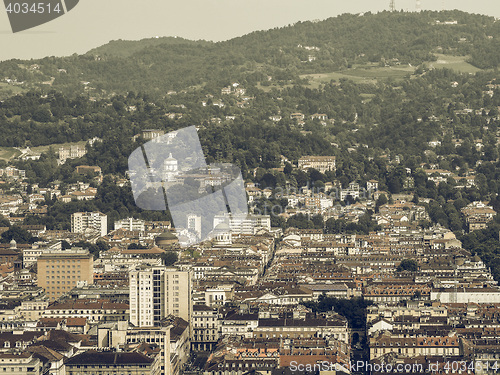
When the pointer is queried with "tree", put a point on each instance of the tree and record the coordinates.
(300, 221)
(415, 198)
(316, 175)
(335, 226)
(381, 200)
(42, 115)
(4, 222)
(17, 234)
(288, 168)
(103, 246)
(65, 245)
(408, 265)
(318, 221)
(169, 258)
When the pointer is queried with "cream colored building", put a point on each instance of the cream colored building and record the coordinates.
(118, 334)
(111, 363)
(72, 152)
(320, 163)
(30, 255)
(415, 346)
(32, 310)
(205, 327)
(20, 364)
(157, 335)
(156, 292)
(60, 271)
(85, 222)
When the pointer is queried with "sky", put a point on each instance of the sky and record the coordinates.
(93, 23)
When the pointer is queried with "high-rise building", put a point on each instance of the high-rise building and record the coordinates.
(194, 224)
(60, 270)
(88, 222)
(156, 292)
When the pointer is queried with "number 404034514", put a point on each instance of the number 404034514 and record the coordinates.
(39, 8)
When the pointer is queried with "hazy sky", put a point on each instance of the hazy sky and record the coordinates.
(95, 22)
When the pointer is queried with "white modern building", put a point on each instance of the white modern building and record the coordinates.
(194, 224)
(243, 223)
(156, 292)
(130, 224)
(87, 222)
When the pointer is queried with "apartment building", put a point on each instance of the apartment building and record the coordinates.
(88, 222)
(20, 364)
(156, 292)
(478, 215)
(93, 309)
(32, 310)
(414, 346)
(160, 336)
(60, 270)
(30, 255)
(243, 223)
(149, 134)
(111, 363)
(205, 328)
(130, 224)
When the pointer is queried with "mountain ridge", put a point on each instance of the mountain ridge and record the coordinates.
(157, 65)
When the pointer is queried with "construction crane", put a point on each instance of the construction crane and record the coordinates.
(392, 6)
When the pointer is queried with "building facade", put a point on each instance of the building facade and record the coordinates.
(320, 163)
(111, 363)
(85, 222)
(156, 292)
(205, 325)
(243, 223)
(60, 271)
(20, 364)
(131, 224)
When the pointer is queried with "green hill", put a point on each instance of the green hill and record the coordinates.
(126, 48)
(274, 57)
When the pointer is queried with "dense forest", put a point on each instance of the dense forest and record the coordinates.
(158, 65)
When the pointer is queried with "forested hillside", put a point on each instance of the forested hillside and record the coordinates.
(280, 55)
